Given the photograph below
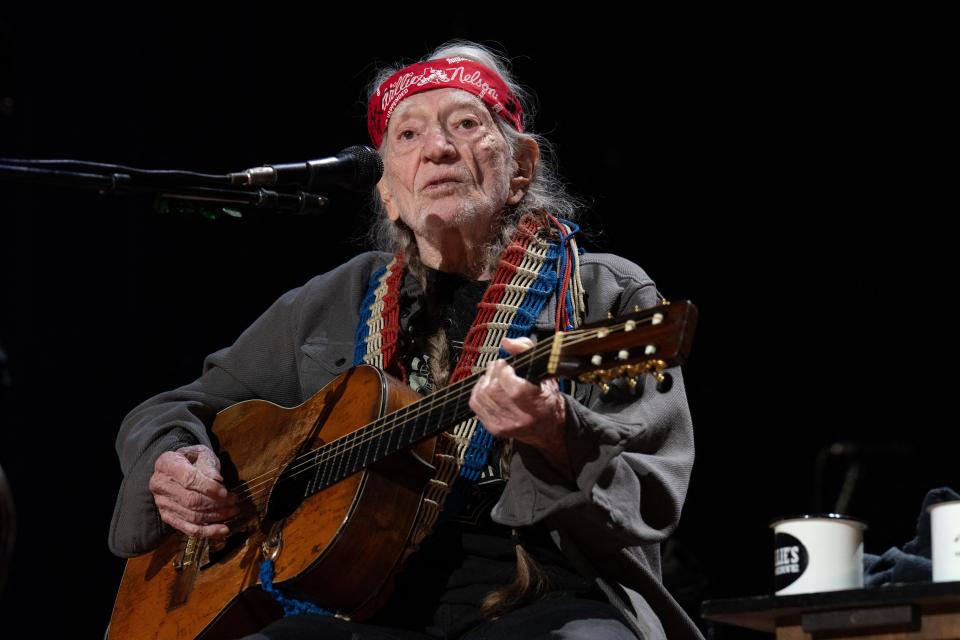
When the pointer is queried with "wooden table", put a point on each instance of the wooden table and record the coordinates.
(914, 611)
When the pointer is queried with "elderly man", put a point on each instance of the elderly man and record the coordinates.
(557, 504)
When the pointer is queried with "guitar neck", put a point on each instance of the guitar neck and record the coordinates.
(398, 431)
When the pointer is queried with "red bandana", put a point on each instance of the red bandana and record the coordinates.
(459, 73)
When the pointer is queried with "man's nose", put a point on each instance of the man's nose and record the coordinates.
(438, 145)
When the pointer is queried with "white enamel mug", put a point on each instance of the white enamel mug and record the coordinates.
(817, 552)
(945, 540)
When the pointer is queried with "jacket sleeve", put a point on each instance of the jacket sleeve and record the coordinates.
(269, 361)
(260, 364)
(632, 455)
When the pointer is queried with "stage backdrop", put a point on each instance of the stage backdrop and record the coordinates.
(791, 171)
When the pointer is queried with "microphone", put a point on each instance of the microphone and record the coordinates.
(356, 168)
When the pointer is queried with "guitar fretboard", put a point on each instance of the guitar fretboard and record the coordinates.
(403, 428)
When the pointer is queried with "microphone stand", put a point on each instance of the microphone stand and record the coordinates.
(176, 185)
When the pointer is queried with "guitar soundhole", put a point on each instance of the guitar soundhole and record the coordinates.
(288, 493)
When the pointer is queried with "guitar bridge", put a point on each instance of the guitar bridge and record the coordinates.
(196, 551)
(187, 554)
(194, 554)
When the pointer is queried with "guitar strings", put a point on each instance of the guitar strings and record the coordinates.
(307, 461)
(379, 427)
(389, 422)
(376, 430)
(450, 395)
(336, 448)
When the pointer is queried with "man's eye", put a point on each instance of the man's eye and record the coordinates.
(407, 134)
(469, 123)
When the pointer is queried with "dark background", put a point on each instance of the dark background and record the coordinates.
(791, 170)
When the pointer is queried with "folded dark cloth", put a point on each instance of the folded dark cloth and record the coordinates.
(912, 563)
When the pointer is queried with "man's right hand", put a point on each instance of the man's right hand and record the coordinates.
(188, 489)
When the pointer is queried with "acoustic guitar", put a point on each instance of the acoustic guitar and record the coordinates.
(330, 489)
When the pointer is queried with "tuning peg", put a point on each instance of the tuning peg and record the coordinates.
(664, 381)
(609, 315)
(604, 388)
(635, 383)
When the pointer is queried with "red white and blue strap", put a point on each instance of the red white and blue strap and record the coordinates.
(524, 281)
(532, 268)
(377, 332)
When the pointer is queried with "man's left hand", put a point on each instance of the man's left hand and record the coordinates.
(511, 407)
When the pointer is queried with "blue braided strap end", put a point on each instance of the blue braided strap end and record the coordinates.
(291, 606)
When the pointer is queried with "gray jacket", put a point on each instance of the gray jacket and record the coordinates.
(632, 458)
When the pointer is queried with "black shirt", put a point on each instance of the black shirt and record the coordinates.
(441, 586)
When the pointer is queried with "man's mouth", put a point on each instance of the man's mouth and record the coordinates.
(439, 183)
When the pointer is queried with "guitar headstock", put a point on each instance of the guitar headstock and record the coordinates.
(644, 341)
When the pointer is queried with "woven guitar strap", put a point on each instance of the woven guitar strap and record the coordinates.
(540, 261)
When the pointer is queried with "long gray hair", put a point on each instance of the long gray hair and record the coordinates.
(546, 192)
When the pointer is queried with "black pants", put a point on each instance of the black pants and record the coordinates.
(558, 618)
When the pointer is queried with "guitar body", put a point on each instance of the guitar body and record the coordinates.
(342, 545)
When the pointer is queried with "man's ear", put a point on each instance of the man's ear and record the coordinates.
(527, 158)
(392, 212)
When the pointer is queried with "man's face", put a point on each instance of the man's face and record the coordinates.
(446, 164)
